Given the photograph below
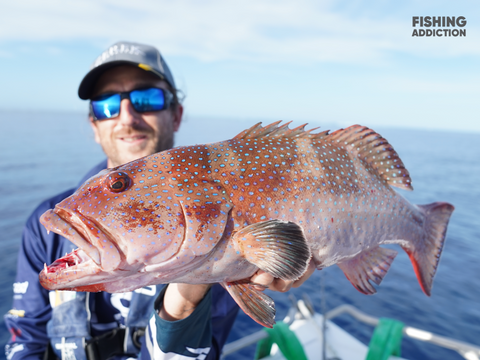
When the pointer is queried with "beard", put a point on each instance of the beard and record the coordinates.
(120, 151)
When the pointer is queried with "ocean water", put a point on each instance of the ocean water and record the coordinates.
(42, 154)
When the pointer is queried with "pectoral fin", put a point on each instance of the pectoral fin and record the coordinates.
(371, 264)
(254, 303)
(277, 247)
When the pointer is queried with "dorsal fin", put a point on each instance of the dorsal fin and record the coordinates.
(247, 133)
(372, 148)
(257, 131)
(363, 142)
(273, 130)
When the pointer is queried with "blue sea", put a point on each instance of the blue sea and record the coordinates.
(44, 153)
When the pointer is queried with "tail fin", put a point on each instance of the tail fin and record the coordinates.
(426, 254)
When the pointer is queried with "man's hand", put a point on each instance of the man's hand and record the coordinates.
(265, 280)
(180, 300)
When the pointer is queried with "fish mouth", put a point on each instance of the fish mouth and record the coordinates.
(96, 250)
(72, 272)
(74, 262)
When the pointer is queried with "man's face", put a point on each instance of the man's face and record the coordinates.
(132, 135)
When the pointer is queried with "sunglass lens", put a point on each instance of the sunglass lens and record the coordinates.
(148, 99)
(106, 106)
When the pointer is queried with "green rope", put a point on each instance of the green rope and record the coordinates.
(286, 340)
(386, 340)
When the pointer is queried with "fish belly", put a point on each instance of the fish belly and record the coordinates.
(223, 264)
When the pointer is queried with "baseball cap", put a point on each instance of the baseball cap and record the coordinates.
(145, 57)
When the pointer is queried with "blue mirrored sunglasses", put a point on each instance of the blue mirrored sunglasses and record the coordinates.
(107, 106)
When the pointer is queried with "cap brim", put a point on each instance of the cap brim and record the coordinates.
(88, 83)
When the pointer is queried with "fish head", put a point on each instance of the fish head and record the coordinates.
(123, 220)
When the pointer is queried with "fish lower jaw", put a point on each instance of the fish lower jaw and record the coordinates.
(64, 272)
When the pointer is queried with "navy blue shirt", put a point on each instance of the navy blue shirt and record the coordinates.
(32, 304)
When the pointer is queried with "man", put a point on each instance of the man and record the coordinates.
(134, 112)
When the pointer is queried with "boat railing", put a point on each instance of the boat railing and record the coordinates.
(248, 340)
(468, 351)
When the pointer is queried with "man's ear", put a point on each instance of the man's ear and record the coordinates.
(177, 117)
(93, 124)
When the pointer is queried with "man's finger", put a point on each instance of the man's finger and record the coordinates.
(262, 280)
(281, 285)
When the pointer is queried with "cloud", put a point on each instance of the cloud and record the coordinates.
(304, 31)
(447, 87)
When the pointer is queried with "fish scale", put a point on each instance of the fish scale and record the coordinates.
(327, 195)
(271, 198)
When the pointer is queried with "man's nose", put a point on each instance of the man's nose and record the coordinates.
(128, 116)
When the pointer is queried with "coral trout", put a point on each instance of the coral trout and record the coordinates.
(271, 198)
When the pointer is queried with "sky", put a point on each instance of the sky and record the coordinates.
(343, 62)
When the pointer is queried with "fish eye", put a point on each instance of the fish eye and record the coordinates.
(118, 182)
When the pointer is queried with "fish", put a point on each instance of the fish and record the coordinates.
(270, 198)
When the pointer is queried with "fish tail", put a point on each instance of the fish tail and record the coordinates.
(425, 254)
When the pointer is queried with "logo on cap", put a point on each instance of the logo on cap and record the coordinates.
(115, 50)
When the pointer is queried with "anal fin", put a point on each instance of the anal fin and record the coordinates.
(254, 303)
(371, 264)
(277, 247)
